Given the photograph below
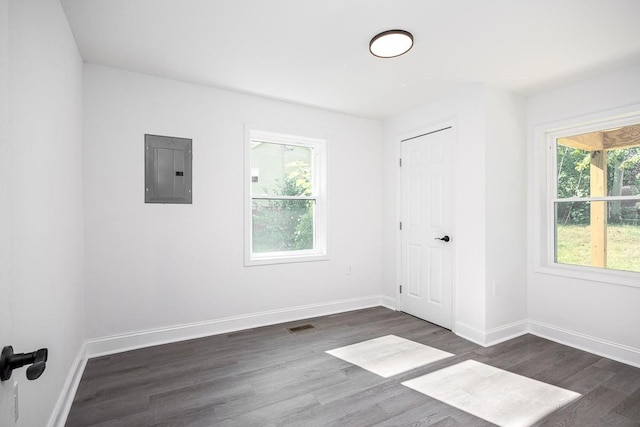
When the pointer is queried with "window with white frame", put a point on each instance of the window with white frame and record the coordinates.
(286, 198)
(593, 213)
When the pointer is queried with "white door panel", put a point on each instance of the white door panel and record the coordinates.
(426, 217)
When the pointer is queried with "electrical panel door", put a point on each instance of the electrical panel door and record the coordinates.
(167, 169)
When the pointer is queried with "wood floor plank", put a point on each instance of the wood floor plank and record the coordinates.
(271, 377)
(588, 410)
(630, 407)
(626, 380)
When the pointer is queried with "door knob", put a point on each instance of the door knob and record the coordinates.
(10, 361)
(444, 239)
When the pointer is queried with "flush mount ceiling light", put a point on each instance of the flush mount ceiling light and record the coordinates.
(390, 44)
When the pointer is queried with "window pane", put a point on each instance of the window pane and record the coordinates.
(280, 170)
(613, 243)
(283, 225)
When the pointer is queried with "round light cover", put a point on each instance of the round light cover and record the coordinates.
(390, 44)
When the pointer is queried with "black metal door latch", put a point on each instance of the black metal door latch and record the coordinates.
(10, 361)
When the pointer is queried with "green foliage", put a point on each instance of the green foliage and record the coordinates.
(628, 161)
(573, 181)
(297, 182)
(573, 172)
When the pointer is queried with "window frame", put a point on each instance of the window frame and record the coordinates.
(319, 195)
(545, 193)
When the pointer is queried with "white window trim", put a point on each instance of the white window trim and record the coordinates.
(319, 253)
(545, 194)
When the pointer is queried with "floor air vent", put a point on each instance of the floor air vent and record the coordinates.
(300, 328)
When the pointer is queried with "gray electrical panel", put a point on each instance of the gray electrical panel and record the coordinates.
(167, 169)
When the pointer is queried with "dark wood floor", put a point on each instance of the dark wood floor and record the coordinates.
(268, 377)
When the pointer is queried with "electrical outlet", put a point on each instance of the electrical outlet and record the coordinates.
(495, 285)
(16, 410)
(349, 269)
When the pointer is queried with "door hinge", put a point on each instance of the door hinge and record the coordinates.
(400, 162)
(400, 288)
(400, 225)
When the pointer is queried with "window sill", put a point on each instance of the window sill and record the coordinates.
(284, 259)
(609, 277)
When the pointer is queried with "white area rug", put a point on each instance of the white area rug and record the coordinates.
(389, 355)
(495, 395)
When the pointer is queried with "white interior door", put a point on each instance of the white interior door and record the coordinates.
(426, 276)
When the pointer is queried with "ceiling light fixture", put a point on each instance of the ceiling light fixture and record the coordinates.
(390, 44)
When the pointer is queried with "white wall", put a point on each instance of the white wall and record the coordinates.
(600, 317)
(488, 166)
(42, 247)
(153, 266)
(506, 216)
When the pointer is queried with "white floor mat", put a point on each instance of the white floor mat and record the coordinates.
(389, 355)
(495, 395)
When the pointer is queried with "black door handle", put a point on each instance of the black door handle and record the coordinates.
(444, 239)
(10, 361)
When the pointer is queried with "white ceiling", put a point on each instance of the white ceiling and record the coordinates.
(316, 52)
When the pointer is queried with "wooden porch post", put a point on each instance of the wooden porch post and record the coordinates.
(598, 172)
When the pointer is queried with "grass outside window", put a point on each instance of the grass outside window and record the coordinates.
(573, 246)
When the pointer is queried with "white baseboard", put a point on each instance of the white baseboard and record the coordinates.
(388, 302)
(604, 348)
(491, 336)
(469, 333)
(124, 342)
(60, 412)
(506, 332)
